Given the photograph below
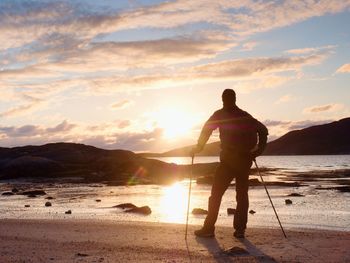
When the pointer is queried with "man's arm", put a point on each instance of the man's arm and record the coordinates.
(208, 128)
(262, 135)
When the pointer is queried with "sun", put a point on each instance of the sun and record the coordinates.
(175, 122)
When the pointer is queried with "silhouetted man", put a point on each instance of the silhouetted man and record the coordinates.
(242, 139)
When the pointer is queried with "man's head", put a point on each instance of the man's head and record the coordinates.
(229, 97)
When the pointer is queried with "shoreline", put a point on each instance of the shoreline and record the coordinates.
(72, 240)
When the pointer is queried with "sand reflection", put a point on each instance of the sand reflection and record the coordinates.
(173, 203)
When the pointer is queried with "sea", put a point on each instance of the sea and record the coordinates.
(317, 209)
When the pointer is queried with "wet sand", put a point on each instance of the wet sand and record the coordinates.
(73, 240)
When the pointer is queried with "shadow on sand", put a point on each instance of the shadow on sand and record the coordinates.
(220, 255)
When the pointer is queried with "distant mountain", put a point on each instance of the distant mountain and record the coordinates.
(90, 164)
(331, 138)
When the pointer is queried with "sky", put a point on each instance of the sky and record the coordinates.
(145, 75)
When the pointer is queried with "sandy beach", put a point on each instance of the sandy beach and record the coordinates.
(112, 241)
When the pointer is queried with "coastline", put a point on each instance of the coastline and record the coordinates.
(72, 240)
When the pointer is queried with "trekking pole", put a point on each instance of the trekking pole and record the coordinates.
(267, 192)
(189, 196)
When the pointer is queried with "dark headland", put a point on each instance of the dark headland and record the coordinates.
(326, 139)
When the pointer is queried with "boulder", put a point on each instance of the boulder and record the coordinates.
(7, 193)
(49, 198)
(34, 192)
(252, 212)
(199, 211)
(125, 206)
(26, 205)
(231, 211)
(288, 202)
(48, 204)
(68, 212)
(98, 200)
(295, 195)
(144, 210)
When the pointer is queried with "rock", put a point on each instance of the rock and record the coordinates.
(288, 202)
(49, 198)
(231, 211)
(34, 192)
(14, 190)
(98, 200)
(7, 193)
(145, 210)
(199, 211)
(236, 251)
(68, 212)
(48, 204)
(295, 195)
(26, 205)
(254, 182)
(82, 255)
(344, 189)
(252, 212)
(125, 206)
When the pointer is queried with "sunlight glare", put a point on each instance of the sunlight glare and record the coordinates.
(173, 204)
(175, 122)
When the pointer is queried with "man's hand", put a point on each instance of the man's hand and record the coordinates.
(255, 153)
(195, 150)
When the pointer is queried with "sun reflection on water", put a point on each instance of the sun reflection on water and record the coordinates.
(173, 203)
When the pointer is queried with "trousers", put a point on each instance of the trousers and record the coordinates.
(232, 165)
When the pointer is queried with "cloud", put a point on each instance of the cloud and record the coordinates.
(323, 108)
(121, 104)
(23, 131)
(62, 127)
(123, 124)
(135, 141)
(308, 50)
(278, 128)
(256, 66)
(62, 43)
(23, 23)
(248, 46)
(344, 69)
(36, 130)
(252, 73)
(284, 99)
(31, 105)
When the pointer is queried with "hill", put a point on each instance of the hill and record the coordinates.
(330, 138)
(85, 163)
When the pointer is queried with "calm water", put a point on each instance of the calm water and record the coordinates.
(324, 209)
(297, 163)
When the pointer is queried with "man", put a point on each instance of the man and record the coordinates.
(242, 139)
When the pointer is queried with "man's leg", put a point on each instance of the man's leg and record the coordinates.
(242, 185)
(222, 180)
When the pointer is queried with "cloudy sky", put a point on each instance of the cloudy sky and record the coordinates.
(144, 75)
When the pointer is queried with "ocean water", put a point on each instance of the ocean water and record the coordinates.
(286, 163)
(322, 209)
